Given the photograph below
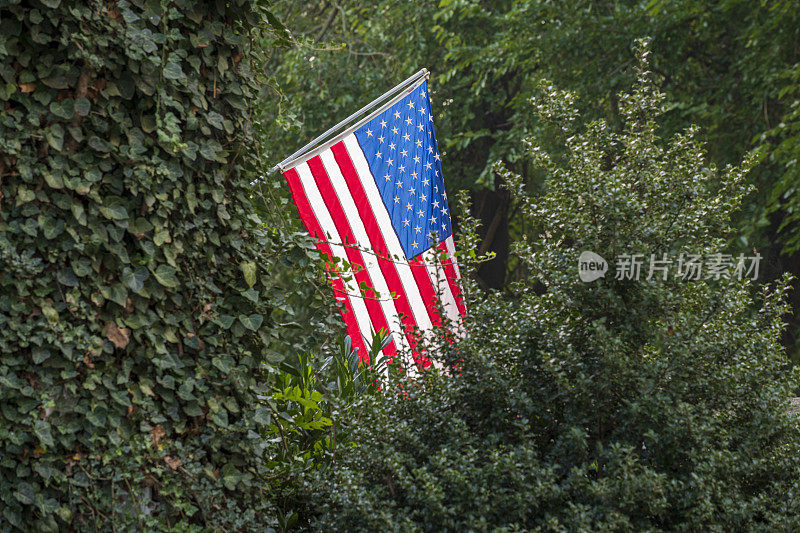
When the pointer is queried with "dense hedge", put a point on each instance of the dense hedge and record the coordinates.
(131, 308)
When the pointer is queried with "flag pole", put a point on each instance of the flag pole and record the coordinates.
(422, 73)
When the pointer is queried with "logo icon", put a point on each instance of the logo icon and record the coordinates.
(591, 266)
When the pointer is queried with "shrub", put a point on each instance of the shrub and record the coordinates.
(614, 405)
(134, 308)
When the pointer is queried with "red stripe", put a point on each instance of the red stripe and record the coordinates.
(426, 289)
(353, 255)
(315, 230)
(376, 237)
(452, 278)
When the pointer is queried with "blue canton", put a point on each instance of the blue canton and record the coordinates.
(400, 147)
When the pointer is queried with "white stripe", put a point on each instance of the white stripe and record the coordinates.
(421, 317)
(329, 228)
(433, 264)
(362, 240)
(451, 248)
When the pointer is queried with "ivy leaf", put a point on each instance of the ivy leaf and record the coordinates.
(82, 106)
(24, 493)
(249, 271)
(99, 144)
(55, 136)
(165, 275)
(225, 321)
(116, 293)
(135, 278)
(64, 109)
(172, 71)
(251, 322)
(42, 430)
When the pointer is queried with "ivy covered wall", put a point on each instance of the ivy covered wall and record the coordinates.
(133, 309)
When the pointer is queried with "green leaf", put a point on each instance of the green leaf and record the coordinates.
(64, 109)
(249, 271)
(165, 275)
(225, 321)
(42, 430)
(55, 136)
(251, 322)
(172, 71)
(99, 144)
(24, 493)
(117, 293)
(135, 278)
(82, 106)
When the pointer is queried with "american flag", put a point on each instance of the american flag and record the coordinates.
(376, 201)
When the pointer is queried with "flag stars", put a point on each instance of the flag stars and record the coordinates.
(409, 207)
(412, 191)
(418, 229)
(430, 118)
(432, 219)
(381, 138)
(383, 123)
(392, 146)
(414, 175)
(402, 168)
(406, 223)
(387, 177)
(435, 204)
(389, 162)
(414, 244)
(397, 199)
(411, 105)
(422, 110)
(427, 165)
(420, 213)
(404, 153)
(430, 150)
(378, 155)
(420, 127)
(397, 114)
(394, 130)
(369, 133)
(426, 182)
(423, 197)
(399, 184)
(436, 157)
(418, 143)
(406, 137)
(409, 121)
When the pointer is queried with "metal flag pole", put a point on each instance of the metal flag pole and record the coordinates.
(421, 74)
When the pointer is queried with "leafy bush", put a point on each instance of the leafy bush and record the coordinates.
(613, 405)
(135, 311)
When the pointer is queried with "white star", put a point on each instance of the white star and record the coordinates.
(432, 219)
(399, 184)
(397, 199)
(422, 110)
(436, 157)
(406, 223)
(369, 133)
(411, 105)
(409, 207)
(412, 191)
(414, 244)
(418, 229)
(427, 165)
(436, 188)
(414, 175)
(380, 138)
(430, 150)
(420, 127)
(423, 197)
(404, 153)
(426, 182)
(391, 146)
(409, 121)
(416, 159)
(402, 168)
(444, 226)
(420, 213)
(383, 123)
(387, 177)
(444, 210)
(436, 173)
(394, 130)
(430, 118)
(378, 155)
(406, 137)
(418, 143)
(436, 204)
(390, 162)
(397, 114)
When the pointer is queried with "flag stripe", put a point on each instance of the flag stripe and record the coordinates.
(357, 234)
(374, 236)
(409, 285)
(438, 277)
(329, 230)
(315, 230)
(452, 273)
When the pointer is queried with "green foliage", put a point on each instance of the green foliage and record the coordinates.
(650, 405)
(136, 305)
